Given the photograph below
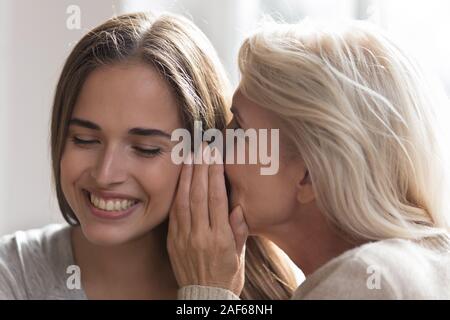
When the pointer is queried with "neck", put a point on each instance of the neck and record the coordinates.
(309, 244)
(141, 265)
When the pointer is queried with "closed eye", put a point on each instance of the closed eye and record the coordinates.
(82, 141)
(145, 152)
(148, 152)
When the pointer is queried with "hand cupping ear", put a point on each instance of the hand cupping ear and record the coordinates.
(206, 244)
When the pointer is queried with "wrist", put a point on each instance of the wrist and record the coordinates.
(197, 292)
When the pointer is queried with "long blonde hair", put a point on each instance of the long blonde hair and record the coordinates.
(183, 55)
(362, 117)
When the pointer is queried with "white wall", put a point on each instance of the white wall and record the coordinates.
(34, 43)
(4, 22)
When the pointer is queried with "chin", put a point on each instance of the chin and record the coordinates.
(106, 235)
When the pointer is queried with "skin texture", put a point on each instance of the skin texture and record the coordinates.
(124, 258)
(281, 207)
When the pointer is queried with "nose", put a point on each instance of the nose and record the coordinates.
(110, 168)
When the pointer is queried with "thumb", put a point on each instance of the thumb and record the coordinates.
(239, 228)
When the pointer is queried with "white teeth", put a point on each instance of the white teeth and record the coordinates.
(125, 204)
(117, 205)
(111, 205)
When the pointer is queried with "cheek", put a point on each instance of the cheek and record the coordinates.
(267, 200)
(245, 184)
(72, 165)
(159, 182)
(260, 198)
(238, 183)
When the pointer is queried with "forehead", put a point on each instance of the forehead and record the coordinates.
(134, 94)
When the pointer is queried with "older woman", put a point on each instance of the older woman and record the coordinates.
(360, 200)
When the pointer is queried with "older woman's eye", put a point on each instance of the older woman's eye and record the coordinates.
(148, 152)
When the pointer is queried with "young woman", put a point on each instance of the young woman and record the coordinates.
(124, 88)
(360, 201)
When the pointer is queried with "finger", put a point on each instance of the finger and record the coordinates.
(173, 228)
(180, 214)
(217, 195)
(240, 229)
(199, 193)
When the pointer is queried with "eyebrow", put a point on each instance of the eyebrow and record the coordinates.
(134, 131)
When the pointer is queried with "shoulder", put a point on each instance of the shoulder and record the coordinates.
(35, 243)
(387, 269)
(28, 259)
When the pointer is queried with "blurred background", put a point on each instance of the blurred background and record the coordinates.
(37, 36)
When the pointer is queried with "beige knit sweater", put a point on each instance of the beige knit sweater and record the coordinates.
(387, 269)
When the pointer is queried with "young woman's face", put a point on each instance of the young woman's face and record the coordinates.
(117, 153)
(267, 200)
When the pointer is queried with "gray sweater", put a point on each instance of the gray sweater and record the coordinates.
(36, 264)
(387, 269)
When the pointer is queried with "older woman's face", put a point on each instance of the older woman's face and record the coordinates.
(116, 170)
(267, 201)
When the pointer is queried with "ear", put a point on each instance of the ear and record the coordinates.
(305, 192)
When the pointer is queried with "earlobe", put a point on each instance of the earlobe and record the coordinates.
(305, 192)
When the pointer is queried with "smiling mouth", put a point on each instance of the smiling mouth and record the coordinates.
(110, 205)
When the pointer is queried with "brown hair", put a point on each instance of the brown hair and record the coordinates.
(182, 54)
